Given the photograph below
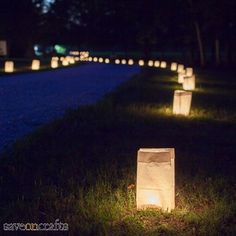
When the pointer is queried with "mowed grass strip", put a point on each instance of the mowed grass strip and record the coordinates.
(82, 167)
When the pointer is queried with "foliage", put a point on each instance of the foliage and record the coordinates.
(178, 26)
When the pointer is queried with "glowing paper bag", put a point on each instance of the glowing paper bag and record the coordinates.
(156, 178)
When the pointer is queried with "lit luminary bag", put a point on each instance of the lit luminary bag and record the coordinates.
(189, 71)
(189, 82)
(156, 178)
(173, 66)
(35, 65)
(182, 102)
(181, 76)
(9, 66)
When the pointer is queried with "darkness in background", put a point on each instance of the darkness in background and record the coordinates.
(164, 26)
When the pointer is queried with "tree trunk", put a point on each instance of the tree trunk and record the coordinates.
(29, 52)
(200, 45)
(217, 51)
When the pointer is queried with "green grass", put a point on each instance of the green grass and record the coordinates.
(82, 167)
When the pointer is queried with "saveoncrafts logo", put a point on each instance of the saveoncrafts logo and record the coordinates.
(55, 226)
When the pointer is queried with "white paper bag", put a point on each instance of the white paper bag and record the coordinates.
(156, 178)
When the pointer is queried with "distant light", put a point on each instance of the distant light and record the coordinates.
(46, 5)
(84, 55)
(157, 63)
(173, 66)
(100, 59)
(130, 61)
(107, 61)
(163, 64)
(35, 64)
(54, 63)
(141, 62)
(150, 63)
(123, 61)
(74, 53)
(9, 66)
(60, 49)
(70, 59)
(189, 82)
(65, 62)
(181, 76)
(117, 61)
(37, 50)
(180, 68)
(55, 58)
(189, 71)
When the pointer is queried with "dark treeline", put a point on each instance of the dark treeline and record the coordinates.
(204, 31)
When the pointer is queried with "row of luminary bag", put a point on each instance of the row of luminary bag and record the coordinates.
(9, 65)
(55, 61)
(155, 186)
(155, 182)
(65, 61)
(182, 98)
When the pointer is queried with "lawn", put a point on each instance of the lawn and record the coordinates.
(81, 168)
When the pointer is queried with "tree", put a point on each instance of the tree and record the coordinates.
(18, 24)
(219, 20)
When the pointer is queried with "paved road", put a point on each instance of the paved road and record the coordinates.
(30, 100)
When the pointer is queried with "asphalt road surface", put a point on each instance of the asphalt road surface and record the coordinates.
(30, 100)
